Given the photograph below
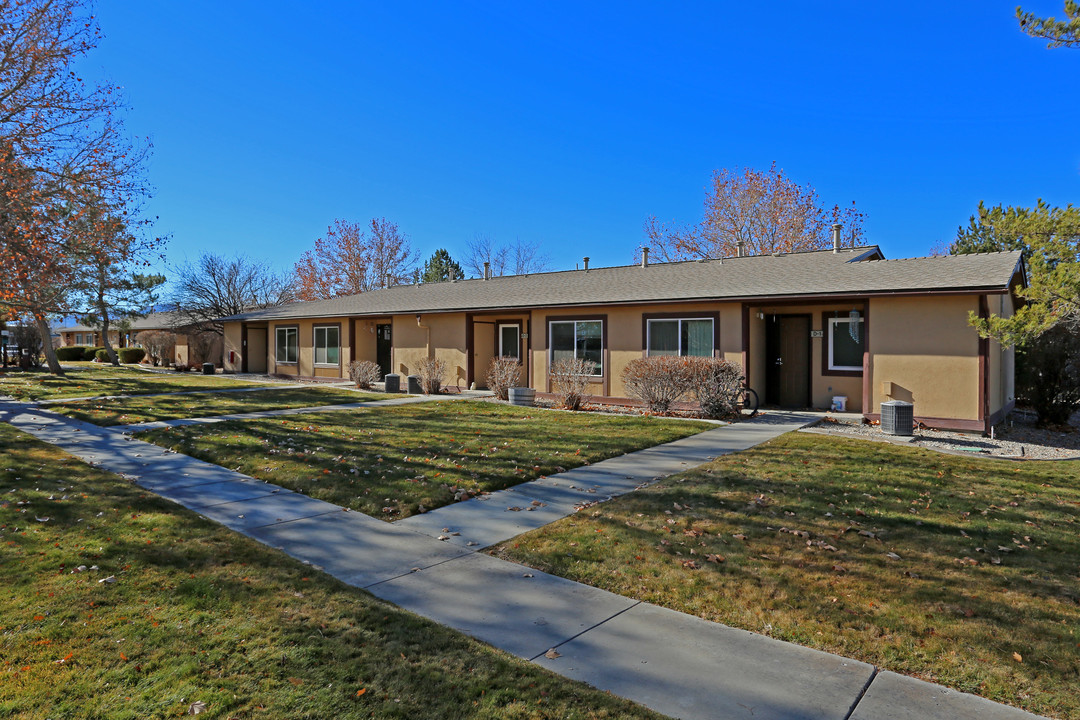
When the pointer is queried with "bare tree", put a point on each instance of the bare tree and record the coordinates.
(217, 287)
(483, 249)
(758, 212)
(518, 258)
(352, 259)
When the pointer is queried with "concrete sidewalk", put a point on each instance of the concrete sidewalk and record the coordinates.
(674, 663)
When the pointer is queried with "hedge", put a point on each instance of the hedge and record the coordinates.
(130, 355)
(70, 353)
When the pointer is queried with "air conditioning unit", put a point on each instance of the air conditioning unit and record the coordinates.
(897, 418)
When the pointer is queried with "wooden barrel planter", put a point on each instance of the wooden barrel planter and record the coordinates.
(521, 396)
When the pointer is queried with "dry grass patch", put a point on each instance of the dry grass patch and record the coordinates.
(130, 410)
(117, 604)
(91, 380)
(390, 462)
(960, 571)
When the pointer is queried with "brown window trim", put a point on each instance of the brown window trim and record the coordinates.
(606, 353)
(294, 326)
(646, 317)
(318, 364)
(825, 371)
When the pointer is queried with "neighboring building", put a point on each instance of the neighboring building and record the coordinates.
(192, 346)
(805, 327)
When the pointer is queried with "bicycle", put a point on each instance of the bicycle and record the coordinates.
(745, 401)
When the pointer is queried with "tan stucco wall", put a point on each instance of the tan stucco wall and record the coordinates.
(925, 347)
(306, 339)
(232, 344)
(365, 339)
(447, 342)
(625, 340)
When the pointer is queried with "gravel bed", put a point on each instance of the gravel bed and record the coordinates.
(1016, 438)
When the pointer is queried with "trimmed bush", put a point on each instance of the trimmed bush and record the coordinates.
(364, 373)
(503, 374)
(70, 353)
(130, 355)
(715, 383)
(570, 380)
(658, 381)
(431, 372)
(101, 355)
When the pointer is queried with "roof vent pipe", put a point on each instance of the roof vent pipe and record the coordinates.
(487, 270)
(740, 248)
(644, 257)
(836, 237)
(586, 261)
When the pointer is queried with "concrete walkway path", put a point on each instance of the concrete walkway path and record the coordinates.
(674, 663)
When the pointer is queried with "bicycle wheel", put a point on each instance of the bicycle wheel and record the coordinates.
(750, 401)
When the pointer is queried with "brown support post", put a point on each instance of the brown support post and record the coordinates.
(470, 362)
(243, 348)
(746, 344)
(984, 369)
(867, 385)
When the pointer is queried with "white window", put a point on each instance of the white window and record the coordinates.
(510, 341)
(327, 345)
(846, 344)
(287, 347)
(582, 339)
(78, 338)
(678, 336)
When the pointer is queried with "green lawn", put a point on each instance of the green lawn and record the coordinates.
(195, 613)
(388, 462)
(129, 410)
(961, 571)
(89, 380)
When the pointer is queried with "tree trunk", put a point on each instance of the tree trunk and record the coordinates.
(46, 343)
(113, 358)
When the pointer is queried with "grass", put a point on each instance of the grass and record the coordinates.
(130, 410)
(981, 591)
(199, 614)
(389, 462)
(88, 380)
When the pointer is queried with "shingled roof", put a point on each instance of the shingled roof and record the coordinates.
(153, 321)
(852, 271)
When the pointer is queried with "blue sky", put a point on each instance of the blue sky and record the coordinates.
(567, 124)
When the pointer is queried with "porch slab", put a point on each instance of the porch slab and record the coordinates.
(355, 548)
(514, 608)
(690, 668)
(897, 697)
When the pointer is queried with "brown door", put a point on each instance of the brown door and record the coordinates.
(787, 347)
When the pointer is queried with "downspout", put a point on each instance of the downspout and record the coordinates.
(427, 339)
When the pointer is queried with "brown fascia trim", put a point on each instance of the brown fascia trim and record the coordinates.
(751, 299)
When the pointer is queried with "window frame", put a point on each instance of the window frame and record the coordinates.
(829, 321)
(575, 321)
(649, 319)
(295, 330)
(517, 348)
(336, 327)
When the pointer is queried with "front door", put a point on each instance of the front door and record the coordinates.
(383, 346)
(787, 348)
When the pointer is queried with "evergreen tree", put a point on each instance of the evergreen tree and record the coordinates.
(439, 268)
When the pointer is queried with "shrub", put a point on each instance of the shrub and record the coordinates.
(70, 353)
(159, 345)
(130, 355)
(101, 355)
(658, 381)
(183, 367)
(715, 383)
(569, 381)
(1049, 378)
(91, 353)
(364, 373)
(431, 372)
(503, 374)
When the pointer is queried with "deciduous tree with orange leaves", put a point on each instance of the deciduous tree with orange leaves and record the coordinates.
(64, 158)
(353, 259)
(763, 211)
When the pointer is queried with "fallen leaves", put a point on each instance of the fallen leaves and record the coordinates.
(552, 654)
